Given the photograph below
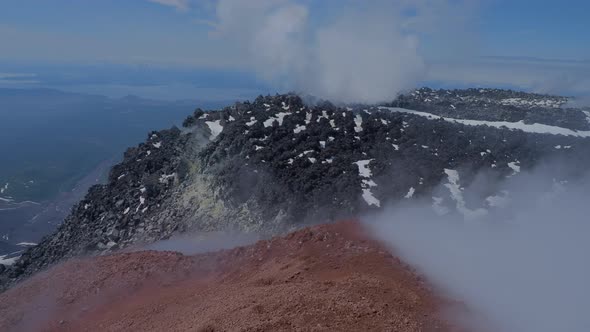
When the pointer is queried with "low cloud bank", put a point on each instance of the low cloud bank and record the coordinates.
(522, 268)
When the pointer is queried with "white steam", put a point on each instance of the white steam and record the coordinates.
(525, 269)
(196, 243)
(359, 52)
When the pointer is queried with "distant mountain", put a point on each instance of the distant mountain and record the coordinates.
(277, 164)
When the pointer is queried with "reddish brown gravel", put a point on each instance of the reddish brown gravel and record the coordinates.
(324, 278)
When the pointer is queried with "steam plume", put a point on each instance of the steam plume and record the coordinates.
(365, 52)
(525, 269)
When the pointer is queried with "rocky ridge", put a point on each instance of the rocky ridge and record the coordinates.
(276, 164)
(497, 105)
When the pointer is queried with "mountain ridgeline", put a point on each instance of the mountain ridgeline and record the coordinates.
(277, 163)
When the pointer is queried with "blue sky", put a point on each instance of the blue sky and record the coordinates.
(81, 43)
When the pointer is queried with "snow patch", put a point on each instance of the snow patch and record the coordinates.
(364, 169)
(520, 125)
(279, 118)
(370, 199)
(215, 127)
(515, 167)
(358, 120)
(299, 128)
(457, 195)
(26, 244)
(251, 122)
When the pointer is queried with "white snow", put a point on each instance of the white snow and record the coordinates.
(410, 193)
(329, 160)
(26, 244)
(157, 145)
(121, 176)
(256, 147)
(279, 118)
(308, 118)
(231, 118)
(285, 106)
(395, 146)
(3, 189)
(515, 167)
(324, 115)
(323, 144)
(364, 169)
(299, 128)
(148, 152)
(520, 125)
(330, 138)
(457, 195)
(587, 115)
(215, 127)
(312, 160)
(126, 210)
(358, 120)
(290, 161)
(252, 122)
(332, 123)
(370, 199)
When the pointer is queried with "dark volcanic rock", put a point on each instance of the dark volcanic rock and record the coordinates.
(275, 164)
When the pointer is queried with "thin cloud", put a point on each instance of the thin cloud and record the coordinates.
(180, 5)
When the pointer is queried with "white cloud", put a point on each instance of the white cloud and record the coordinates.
(363, 52)
(181, 5)
(521, 268)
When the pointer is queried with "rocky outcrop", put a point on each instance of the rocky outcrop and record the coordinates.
(275, 164)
